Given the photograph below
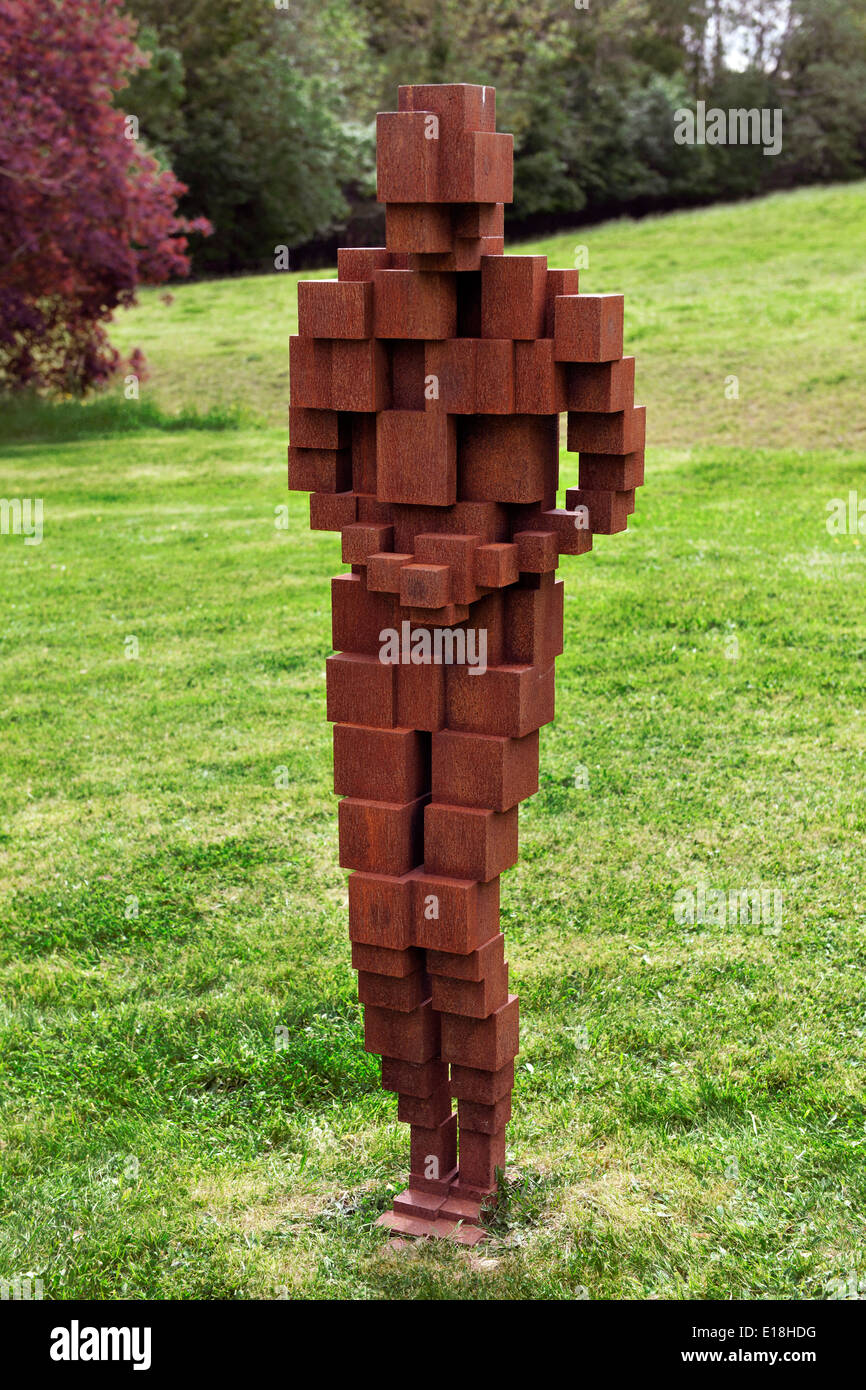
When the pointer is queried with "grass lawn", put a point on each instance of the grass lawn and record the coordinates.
(771, 292)
(187, 1110)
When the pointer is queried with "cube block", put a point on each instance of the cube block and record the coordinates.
(407, 158)
(539, 380)
(421, 1079)
(401, 993)
(408, 304)
(534, 620)
(485, 770)
(358, 616)
(608, 432)
(381, 764)
(453, 915)
(421, 696)
(472, 998)
(487, 1044)
(360, 690)
(408, 1037)
(508, 458)
(483, 1087)
(484, 1119)
(362, 539)
(380, 910)
(496, 565)
(537, 551)
(383, 960)
(468, 842)
(319, 470)
(318, 429)
(416, 458)
(507, 700)
(471, 965)
(425, 586)
(335, 308)
(513, 296)
(433, 1152)
(466, 376)
(600, 386)
(588, 327)
(418, 227)
(383, 571)
(331, 511)
(457, 554)
(310, 373)
(426, 1111)
(480, 1156)
(476, 167)
(459, 105)
(612, 472)
(359, 375)
(608, 511)
(381, 836)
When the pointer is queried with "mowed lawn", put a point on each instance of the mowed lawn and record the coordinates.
(186, 1109)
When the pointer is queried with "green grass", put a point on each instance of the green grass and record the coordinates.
(689, 1116)
(770, 292)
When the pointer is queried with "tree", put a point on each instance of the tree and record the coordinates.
(266, 133)
(265, 107)
(86, 213)
(822, 66)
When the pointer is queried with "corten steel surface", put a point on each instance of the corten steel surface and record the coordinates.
(426, 387)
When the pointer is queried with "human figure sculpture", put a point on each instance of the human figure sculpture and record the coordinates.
(427, 383)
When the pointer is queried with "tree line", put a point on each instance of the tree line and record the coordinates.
(265, 108)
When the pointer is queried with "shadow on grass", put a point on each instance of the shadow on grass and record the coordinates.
(29, 419)
(520, 1206)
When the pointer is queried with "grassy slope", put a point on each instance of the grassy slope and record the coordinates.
(771, 292)
(689, 1117)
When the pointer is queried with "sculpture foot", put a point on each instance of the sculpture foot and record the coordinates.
(441, 1228)
(454, 1211)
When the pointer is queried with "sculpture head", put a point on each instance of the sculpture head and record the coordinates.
(444, 174)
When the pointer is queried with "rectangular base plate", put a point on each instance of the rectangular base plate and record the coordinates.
(440, 1228)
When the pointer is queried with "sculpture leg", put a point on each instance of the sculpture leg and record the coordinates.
(490, 770)
(424, 900)
(479, 1036)
(383, 770)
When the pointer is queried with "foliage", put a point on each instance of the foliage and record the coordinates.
(274, 108)
(263, 134)
(86, 213)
